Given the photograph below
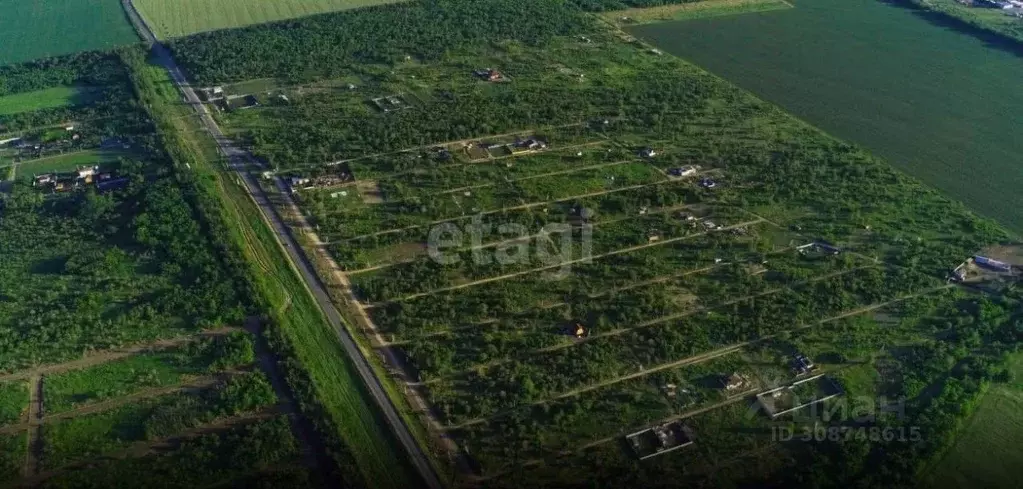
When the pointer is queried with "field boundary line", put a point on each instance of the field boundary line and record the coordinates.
(542, 175)
(529, 205)
(143, 448)
(587, 259)
(615, 290)
(702, 357)
(733, 399)
(106, 356)
(647, 324)
(197, 384)
(459, 141)
(491, 244)
(636, 285)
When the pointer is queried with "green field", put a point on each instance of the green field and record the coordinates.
(987, 451)
(38, 100)
(938, 104)
(30, 30)
(173, 18)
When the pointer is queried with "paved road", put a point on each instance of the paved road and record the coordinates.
(239, 161)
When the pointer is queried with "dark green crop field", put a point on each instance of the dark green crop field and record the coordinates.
(30, 30)
(939, 104)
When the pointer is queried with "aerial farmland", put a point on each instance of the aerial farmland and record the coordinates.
(555, 235)
(488, 243)
(175, 18)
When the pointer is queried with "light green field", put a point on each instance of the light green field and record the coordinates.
(36, 29)
(174, 18)
(41, 99)
(987, 452)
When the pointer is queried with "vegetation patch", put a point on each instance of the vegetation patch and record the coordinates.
(216, 457)
(981, 454)
(69, 390)
(12, 455)
(90, 435)
(13, 401)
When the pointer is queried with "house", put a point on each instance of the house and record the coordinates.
(217, 91)
(85, 173)
(684, 171)
(827, 248)
(710, 225)
(533, 143)
(959, 274)
(112, 184)
(46, 178)
(733, 381)
(819, 246)
(801, 364)
(991, 264)
(708, 183)
(65, 182)
(297, 183)
(653, 237)
(660, 439)
(489, 74)
(647, 153)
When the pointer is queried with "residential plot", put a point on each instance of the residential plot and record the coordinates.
(579, 238)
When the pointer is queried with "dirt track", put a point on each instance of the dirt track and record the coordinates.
(562, 264)
(106, 356)
(702, 357)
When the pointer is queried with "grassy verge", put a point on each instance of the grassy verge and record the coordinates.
(408, 413)
(325, 383)
(695, 10)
